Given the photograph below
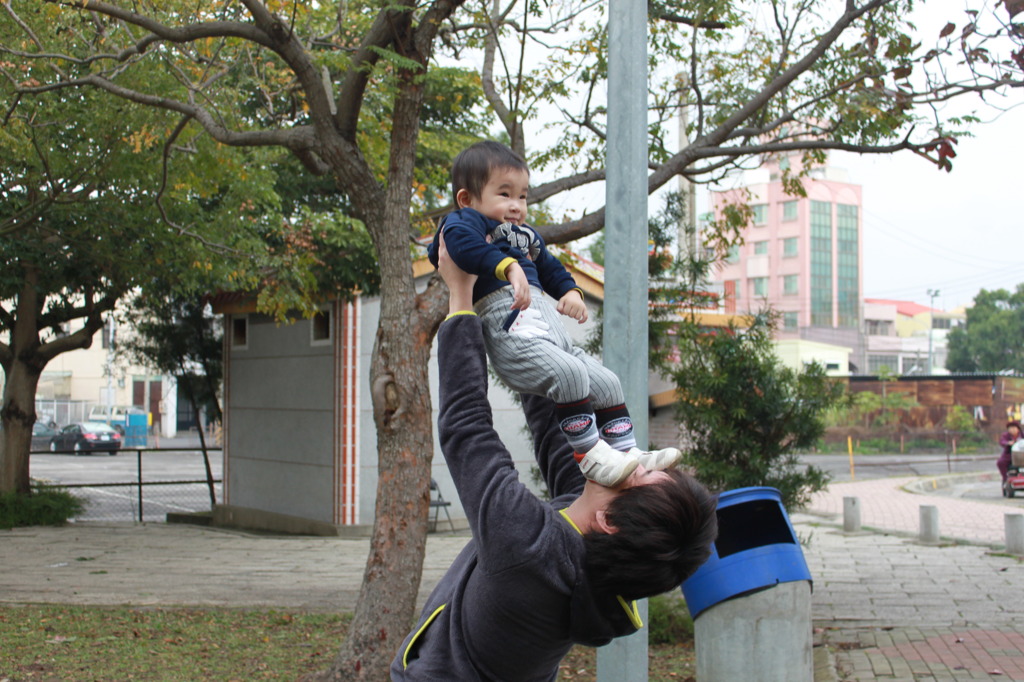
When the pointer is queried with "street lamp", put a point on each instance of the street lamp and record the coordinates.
(932, 293)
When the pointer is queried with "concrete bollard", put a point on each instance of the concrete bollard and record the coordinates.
(851, 515)
(929, 524)
(1014, 533)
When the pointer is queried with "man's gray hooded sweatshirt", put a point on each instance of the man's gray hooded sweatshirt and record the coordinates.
(516, 598)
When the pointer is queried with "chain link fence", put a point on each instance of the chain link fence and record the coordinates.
(61, 412)
(146, 485)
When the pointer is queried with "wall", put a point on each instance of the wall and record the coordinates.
(280, 421)
(991, 397)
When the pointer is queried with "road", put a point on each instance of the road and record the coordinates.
(886, 466)
(111, 502)
(122, 502)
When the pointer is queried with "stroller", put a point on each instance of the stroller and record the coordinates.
(1015, 475)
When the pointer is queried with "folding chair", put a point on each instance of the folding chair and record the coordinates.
(437, 503)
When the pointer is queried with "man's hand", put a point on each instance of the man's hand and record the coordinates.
(572, 305)
(520, 286)
(460, 283)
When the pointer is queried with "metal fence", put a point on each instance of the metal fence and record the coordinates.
(50, 410)
(180, 482)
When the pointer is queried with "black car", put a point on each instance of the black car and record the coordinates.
(42, 434)
(82, 437)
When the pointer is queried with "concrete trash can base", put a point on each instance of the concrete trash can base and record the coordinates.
(765, 636)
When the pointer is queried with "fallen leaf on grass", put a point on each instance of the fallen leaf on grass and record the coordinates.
(59, 639)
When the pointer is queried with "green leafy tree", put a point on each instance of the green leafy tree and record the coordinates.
(181, 338)
(344, 88)
(77, 234)
(992, 340)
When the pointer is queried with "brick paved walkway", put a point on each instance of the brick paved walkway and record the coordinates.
(886, 505)
(929, 654)
(890, 608)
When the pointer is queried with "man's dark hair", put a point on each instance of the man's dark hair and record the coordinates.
(665, 531)
(472, 167)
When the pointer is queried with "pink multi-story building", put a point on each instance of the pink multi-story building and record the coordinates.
(801, 255)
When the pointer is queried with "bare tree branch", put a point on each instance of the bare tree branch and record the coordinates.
(92, 312)
(350, 98)
(655, 11)
(297, 137)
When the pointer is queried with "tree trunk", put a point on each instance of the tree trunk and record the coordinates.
(399, 384)
(402, 414)
(18, 416)
(23, 362)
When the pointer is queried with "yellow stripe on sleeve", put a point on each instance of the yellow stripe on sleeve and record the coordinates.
(459, 312)
(499, 271)
(405, 656)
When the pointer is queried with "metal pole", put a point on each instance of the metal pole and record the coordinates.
(625, 304)
(138, 454)
(932, 293)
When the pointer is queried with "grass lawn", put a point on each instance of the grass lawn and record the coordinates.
(72, 643)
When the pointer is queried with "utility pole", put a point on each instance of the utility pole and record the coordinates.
(688, 239)
(625, 303)
(932, 293)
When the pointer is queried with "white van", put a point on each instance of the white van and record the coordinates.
(114, 415)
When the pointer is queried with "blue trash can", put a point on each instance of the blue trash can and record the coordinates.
(756, 549)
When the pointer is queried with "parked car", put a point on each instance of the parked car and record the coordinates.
(82, 437)
(42, 433)
(114, 415)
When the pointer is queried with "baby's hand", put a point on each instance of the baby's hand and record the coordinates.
(572, 305)
(520, 286)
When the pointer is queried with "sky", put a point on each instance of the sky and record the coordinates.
(956, 232)
(953, 232)
(926, 229)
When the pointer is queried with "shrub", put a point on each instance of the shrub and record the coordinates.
(41, 507)
(669, 620)
(746, 414)
(958, 419)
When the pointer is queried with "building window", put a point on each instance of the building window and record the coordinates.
(789, 247)
(821, 264)
(759, 286)
(848, 271)
(878, 328)
(941, 322)
(790, 320)
(320, 327)
(760, 248)
(877, 362)
(760, 213)
(789, 210)
(914, 366)
(733, 254)
(789, 285)
(240, 332)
